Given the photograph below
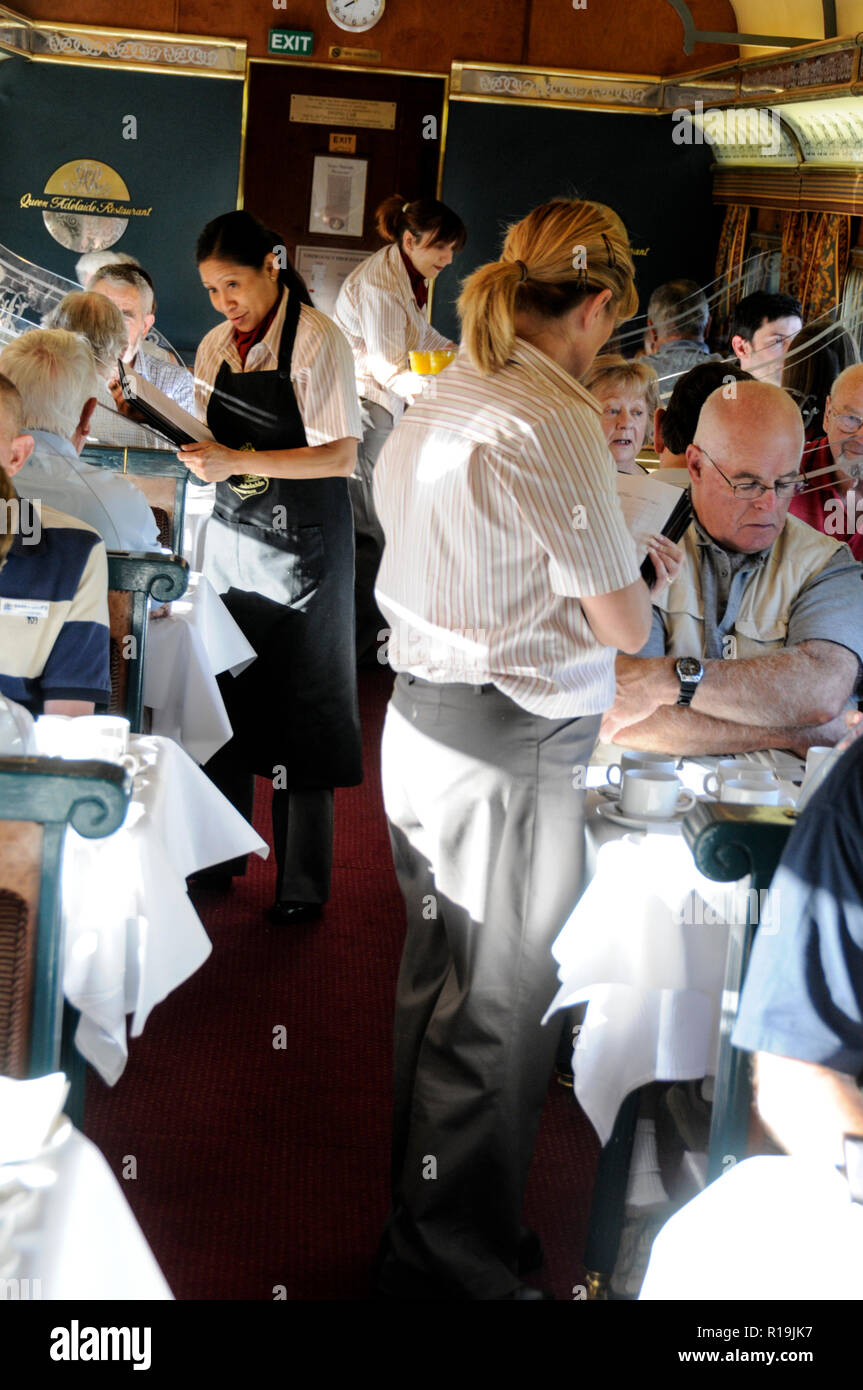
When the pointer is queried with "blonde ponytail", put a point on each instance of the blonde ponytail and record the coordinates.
(558, 255)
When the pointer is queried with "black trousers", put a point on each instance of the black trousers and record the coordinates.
(486, 818)
(302, 831)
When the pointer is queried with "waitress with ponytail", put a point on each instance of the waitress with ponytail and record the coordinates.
(275, 385)
(381, 311)
(509, 578)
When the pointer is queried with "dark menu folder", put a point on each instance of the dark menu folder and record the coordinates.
(160, 412)
(675, 527)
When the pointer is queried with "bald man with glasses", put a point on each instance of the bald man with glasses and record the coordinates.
(758, 642)
(832, 497)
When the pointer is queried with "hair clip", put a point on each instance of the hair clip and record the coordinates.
(405, 207)
(609, 250)
(523, 276)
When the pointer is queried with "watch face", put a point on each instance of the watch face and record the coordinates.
(355, 14)
(687, 667)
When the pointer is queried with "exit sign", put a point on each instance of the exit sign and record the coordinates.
(298, 41)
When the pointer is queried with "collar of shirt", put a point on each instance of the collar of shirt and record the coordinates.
(735, 560)
(419, 285)
(682, 344)
(526, 355)
(262, 356)
(48, 443)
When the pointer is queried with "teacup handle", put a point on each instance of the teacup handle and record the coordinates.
(686, 800)
(130, 763)
(615, 781)
(711, 790)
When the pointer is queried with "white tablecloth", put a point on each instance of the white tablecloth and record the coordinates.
(85, 1242)
(769, 1228)
(185, 653)
(199, 509)
(646, 946)
(132, 934)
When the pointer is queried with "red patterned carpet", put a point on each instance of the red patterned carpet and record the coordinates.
(262, 1166)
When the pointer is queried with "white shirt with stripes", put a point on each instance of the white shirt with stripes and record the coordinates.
(322, 371)
(378, 314)
(498, 502)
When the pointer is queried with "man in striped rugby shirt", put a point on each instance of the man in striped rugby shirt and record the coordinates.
(53, 592)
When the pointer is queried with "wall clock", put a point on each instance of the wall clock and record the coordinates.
(355, 15)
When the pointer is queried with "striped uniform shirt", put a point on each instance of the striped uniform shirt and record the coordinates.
(108, 426)
(378, 314)
(322, 373)
(54, 612)
(497, 499)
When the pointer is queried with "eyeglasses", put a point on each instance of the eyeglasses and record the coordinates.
(751, 491)
(848, 424)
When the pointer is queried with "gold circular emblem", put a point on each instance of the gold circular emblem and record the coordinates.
(76, 186)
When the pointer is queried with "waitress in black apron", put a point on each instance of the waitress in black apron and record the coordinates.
(276, 386)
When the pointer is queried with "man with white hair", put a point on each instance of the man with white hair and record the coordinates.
(131, 289)
(677, 317)
(757, 642)
(56, 378)
(833, 501)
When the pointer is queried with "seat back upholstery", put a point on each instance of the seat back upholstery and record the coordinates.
(39, 797)
(159, 475)
(133, 579)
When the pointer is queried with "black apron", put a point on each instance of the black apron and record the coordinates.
(281, 554)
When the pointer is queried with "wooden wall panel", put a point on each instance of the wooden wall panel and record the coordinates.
(607, 35)
(644, 37)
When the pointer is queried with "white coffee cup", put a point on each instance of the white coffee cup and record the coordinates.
(630, 761)
(51, 735)
(750, 793)
(645, 792)
(814, 758)
(728, 769)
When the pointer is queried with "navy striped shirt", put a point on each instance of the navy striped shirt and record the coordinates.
(53, 610)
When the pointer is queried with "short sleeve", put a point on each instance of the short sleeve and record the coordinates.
(563, 483)
(322, 373)
(830, 607)
(803, 995)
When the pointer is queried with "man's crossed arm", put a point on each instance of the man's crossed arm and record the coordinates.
(790, 699)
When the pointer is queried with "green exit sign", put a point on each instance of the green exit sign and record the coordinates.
(290, 41)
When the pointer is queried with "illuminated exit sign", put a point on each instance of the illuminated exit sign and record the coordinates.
(296, 41)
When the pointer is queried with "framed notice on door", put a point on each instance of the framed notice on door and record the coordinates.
(325, 269)
(338, 196)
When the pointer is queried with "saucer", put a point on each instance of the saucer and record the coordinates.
(614, 814)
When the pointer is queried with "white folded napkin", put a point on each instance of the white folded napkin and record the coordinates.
(28, 1110)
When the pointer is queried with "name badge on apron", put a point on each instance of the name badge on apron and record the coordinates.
(30, 608)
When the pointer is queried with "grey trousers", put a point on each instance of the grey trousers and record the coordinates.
(368, 534)
(487, 833)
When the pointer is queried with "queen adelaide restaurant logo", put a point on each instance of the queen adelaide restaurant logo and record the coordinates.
(85, 205)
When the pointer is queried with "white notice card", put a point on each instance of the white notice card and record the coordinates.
(647, 505)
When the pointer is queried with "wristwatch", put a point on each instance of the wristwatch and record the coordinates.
(690, 673)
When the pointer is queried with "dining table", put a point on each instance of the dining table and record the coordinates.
(187, 649)
(131, 933)
(83, 1242)
(643, 953)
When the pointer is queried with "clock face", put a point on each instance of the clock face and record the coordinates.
(355, 15)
